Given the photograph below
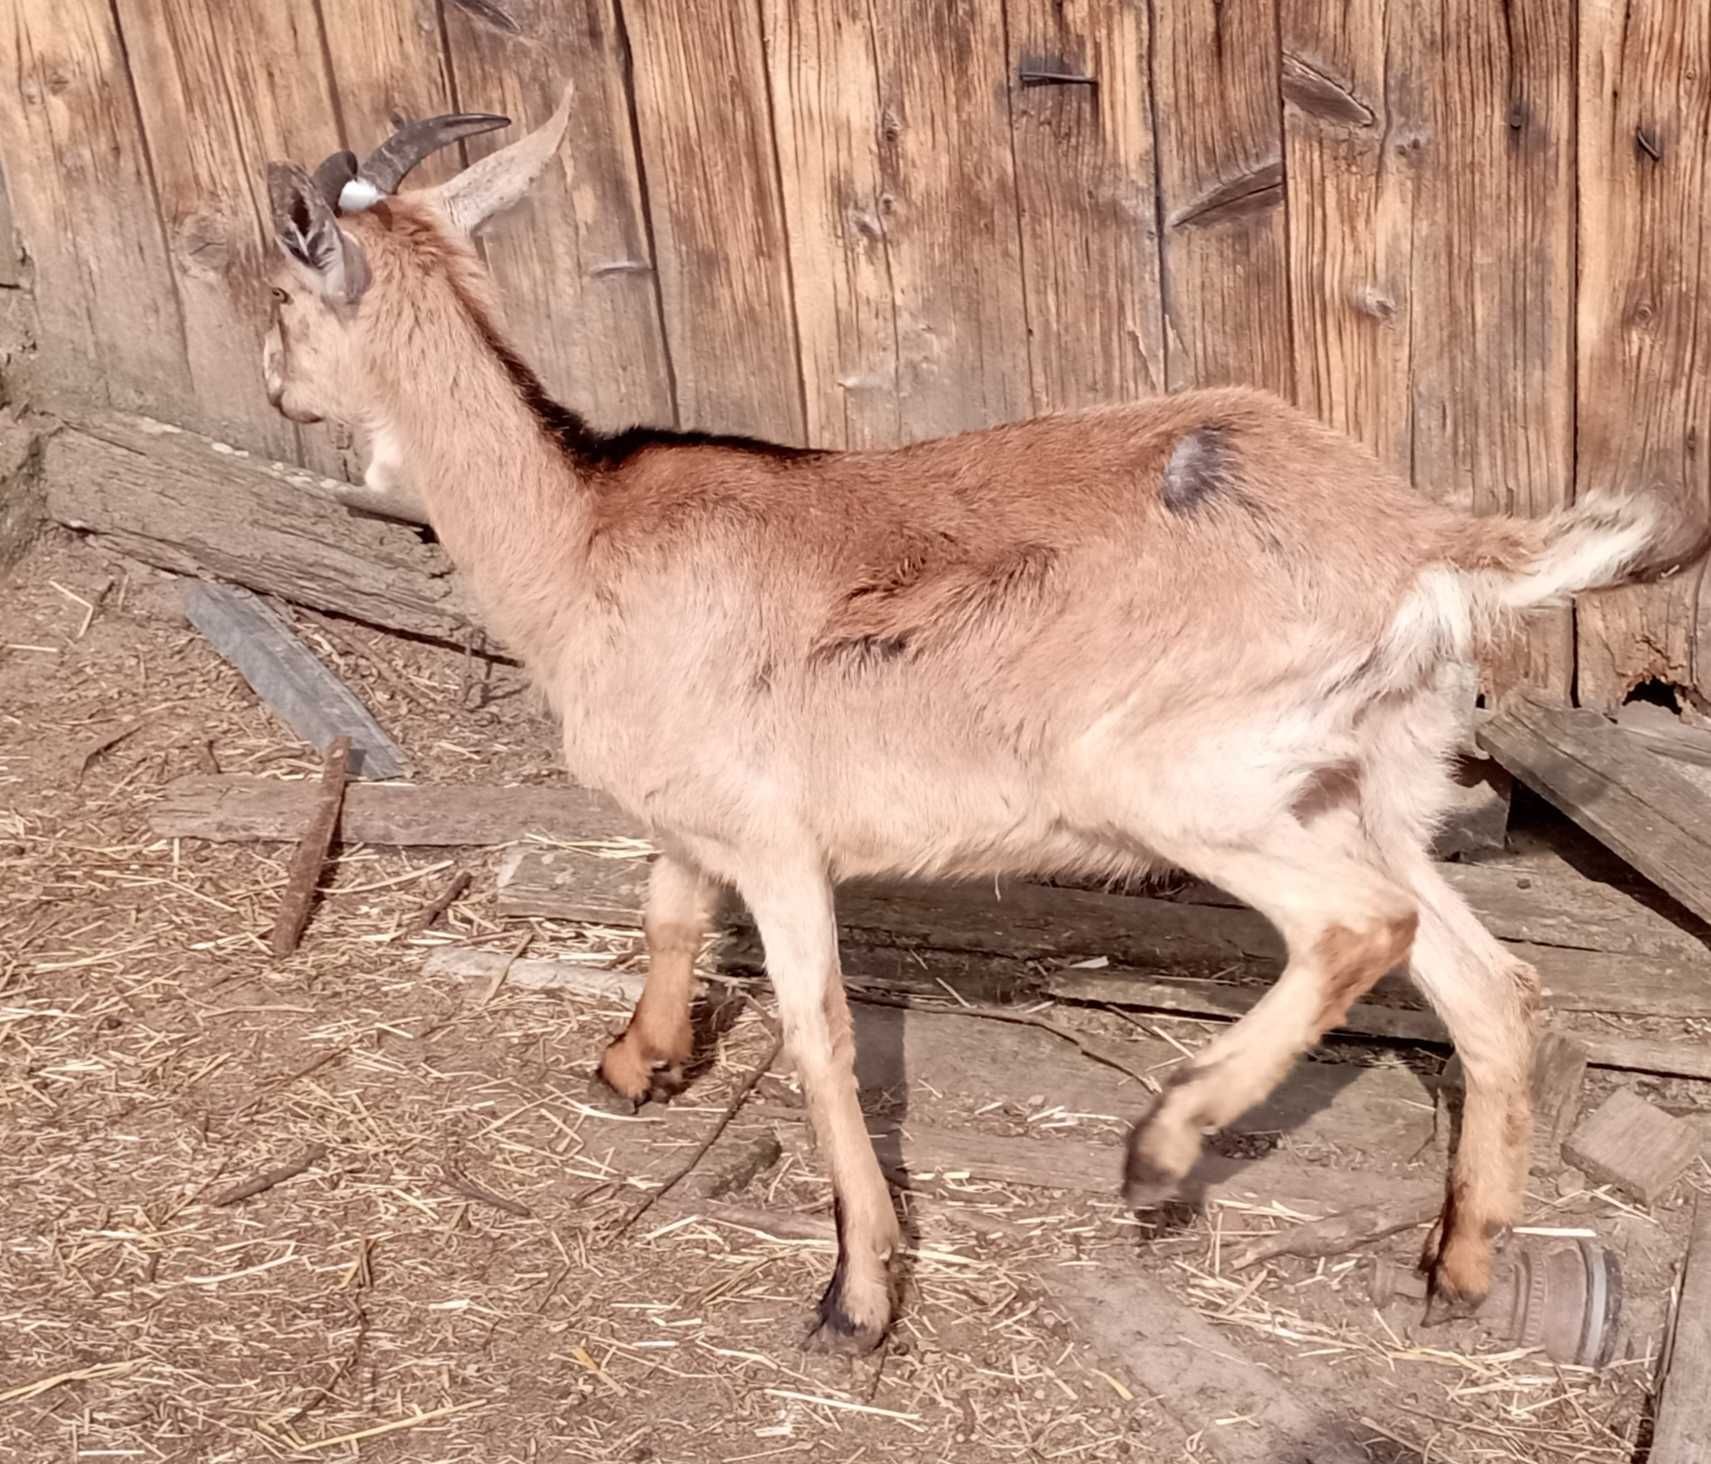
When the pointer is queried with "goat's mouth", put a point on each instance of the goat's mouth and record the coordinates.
(292, 414)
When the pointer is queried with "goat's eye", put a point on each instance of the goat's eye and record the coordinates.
(280, 297)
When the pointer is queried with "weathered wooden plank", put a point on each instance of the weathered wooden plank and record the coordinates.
(1682, 1432)
(177, 500)
(1633, 1145)
(1538, 907)
(1493, 278)
(222, 91)
(1658, 730)
(1236, 1409)
(1085, 175)
(78, 177)
(713, 199)
(290, 678)
(900, 200)
(825, 82)
(574, 262)
(1351, 216)
(1220, 152)
(1630, 800)
(1037, 923)
(235, 806)
(1645, 333)
(387, 58)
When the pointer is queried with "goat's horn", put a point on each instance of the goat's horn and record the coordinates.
(336, 170)
(492, 184)
(387, 166)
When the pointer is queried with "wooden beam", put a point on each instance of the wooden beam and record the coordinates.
(183, 502)
(1620, 794)
(1038, 923)
(1682, 1433)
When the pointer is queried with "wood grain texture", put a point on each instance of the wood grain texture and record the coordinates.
(900, 200)
(1493, 278)
(83, 203)
(1033, 922)
(1215, 71)
(1085, 180)
(221, 94)
(704, 119)
(387, 57)
(1682, 1432)
(574, 261)
(1351, 215)
(177, 500)
(824, 76)
(1644, 320)
(1631, 800)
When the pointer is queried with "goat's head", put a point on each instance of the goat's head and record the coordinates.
(345, 250)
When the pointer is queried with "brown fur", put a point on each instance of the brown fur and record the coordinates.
(1201, 630)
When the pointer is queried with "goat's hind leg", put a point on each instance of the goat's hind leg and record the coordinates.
(648, 1059)
(1345, 924)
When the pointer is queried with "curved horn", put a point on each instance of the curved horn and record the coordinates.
(386, 167)
(336, 170)
(494, 183)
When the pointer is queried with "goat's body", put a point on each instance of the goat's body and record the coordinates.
(1202, 631)
(960, 658)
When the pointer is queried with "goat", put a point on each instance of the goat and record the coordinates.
(1202, 631)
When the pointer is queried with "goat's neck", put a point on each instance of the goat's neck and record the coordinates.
(505, 502)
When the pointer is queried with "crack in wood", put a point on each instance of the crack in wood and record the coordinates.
(1320, 94)
(491, 12)
(1252, 192)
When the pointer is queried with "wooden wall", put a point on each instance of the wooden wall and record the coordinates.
(1474, 233)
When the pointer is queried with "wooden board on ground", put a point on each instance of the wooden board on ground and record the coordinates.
(182, 502)
(1239, 1411)
(291, 680)
(238, 806)
(1633, 1145)
(1682, 1432)
(1622, 795)
(1036, 922)
(1547, 907)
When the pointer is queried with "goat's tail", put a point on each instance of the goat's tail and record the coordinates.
(1513, 565)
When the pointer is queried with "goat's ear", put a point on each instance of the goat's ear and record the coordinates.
(309, 235)
(488, 187)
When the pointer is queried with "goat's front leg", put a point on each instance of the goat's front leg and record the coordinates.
(648, 1059)
(799, 930)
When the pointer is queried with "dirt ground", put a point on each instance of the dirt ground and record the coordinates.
(441, 1280)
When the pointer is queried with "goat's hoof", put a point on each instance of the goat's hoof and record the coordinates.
(1442, 1308)
(836, 1335)
(1146, 1181)
(604, 1093)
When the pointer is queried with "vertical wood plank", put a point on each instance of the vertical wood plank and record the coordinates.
(944, 139)
(1087, 184)
(712, 186)
(1644, 313)
(899, 186)
(825, 84)
(84, 206)
(219, 96)
(1493, 324)
(1351, 216)
(1220, 150)
(574, 262)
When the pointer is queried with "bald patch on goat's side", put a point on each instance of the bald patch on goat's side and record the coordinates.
(1201, 468)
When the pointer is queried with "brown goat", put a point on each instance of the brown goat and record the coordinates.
(1201, 631)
